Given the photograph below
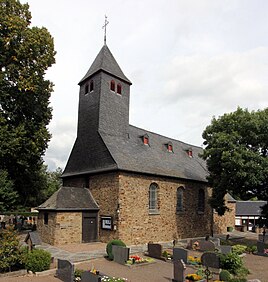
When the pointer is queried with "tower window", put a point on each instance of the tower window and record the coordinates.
(119, 89)
(46, 218)
(112, 86)
(91, 88)
(86, 89)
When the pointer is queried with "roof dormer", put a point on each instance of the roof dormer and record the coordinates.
(145, 139)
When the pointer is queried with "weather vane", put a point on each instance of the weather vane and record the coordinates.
(105, 24)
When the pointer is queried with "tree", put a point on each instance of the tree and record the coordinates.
(25, 54)
(8, 196)
(236, 153)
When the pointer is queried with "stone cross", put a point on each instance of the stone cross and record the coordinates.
(104, 26)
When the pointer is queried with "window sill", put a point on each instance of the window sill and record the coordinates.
(154, 212)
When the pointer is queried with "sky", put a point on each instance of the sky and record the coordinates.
(188, 61)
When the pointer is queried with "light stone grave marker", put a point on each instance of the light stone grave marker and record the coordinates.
(121, 254)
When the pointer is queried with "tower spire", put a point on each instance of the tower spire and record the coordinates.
(105, 24)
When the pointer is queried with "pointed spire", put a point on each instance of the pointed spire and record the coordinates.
(106, 62)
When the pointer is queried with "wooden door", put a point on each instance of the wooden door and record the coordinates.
(89, 227)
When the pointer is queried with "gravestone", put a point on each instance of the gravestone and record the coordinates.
(155, 250)
(263, 238)
(179, 271)
(32, 239)
(225, 249)
(210, 260)
(180, 253)
(260, 247)
(65, 271)
(121, 254)
(88, 276)
(216, 241)
(206, 246)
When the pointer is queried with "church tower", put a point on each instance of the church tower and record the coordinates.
(104, 97)
(103, 107)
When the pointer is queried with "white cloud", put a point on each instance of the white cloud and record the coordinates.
(187, 60)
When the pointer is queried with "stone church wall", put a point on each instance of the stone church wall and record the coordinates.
(227, 220)
(105, 189)
(62, 227)
(134, 224)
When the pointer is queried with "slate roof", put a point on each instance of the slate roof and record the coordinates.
(70, 199)
(106, 62)
(131, 154)
(249, 208)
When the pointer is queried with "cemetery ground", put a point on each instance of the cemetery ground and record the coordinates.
(160, 271)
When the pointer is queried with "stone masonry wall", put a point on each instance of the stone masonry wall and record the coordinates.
(222, 222)
(68, 228)
(137, 226)
(62, 228)
(47, 231)
(105, 189)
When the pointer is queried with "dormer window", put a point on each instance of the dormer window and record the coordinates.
(189, 152)
(170, 147)
(112, 85)
(91, 88)
(145, 139)
(119, 89)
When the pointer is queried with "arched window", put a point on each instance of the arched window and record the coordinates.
(153, 197)
(91, 88)
(112, 86)
(201, 200)
(179, 199)
(119, 89)
(86, 89)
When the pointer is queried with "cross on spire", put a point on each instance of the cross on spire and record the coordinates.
(105, 24)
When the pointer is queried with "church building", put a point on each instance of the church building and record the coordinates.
(121, 181)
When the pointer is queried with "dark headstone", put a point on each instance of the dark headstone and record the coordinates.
(121, 254)
(88, 276)
(225, 249)
(155, 250)
(206, 246)
(210, 260)
(32, 239)
(180, 253)
(264, 238)
(179, 271)
(65, 271)
(260, 247)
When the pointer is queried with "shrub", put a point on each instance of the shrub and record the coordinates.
(109, 247)
(38, 260)
(239, 249)
(10, 253)
(225, 275)
(231, 262)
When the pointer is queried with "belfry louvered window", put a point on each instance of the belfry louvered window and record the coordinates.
(112, 85)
